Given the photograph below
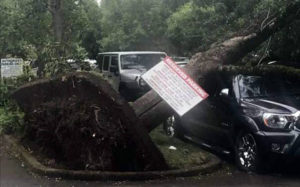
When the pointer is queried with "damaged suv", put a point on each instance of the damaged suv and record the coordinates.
(247, 115)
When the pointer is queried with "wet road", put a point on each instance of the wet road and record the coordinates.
(14, 173)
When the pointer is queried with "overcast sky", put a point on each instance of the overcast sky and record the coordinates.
(98, 1)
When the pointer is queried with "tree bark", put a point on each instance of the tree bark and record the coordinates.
(150, 108)
(55, 8)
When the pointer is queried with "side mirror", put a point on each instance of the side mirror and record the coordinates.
(224, 92)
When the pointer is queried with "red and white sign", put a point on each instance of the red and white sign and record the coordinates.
(178, 89)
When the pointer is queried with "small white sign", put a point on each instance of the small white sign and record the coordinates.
(179, 90)
(11, 67)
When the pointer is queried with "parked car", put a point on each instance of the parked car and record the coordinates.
(247, 115)
(78, 65)
(124, 69)
(181, 61)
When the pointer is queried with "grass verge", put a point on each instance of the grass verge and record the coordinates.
(185, 155)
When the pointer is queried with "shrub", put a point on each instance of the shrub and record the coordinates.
(11, 120)
(8, 85)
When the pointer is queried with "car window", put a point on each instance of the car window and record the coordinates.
(258, 86)
(140, 61)
(114, 61)
(216, 83)
(100, 61)
(106, 63)
(114, 64)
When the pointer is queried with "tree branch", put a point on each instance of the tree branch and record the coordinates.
(152, 110)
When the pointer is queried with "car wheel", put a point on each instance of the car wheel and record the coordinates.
(246, 152)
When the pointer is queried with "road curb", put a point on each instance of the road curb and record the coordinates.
(34, 165)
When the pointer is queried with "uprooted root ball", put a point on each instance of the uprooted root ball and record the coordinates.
(86, 125)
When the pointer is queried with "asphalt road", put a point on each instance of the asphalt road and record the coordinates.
(14, 173)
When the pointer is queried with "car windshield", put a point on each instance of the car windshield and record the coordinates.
(140, 61)
(257, 86)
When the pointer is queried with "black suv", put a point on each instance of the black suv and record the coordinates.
(250, 116)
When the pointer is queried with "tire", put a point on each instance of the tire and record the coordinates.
(247, 154)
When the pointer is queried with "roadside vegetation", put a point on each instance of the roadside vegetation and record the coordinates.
(11, 117)
(29, 28)
(11, 121)
(178, 154)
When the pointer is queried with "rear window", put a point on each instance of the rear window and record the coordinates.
(100, 61)
(114, 61)
(106, 63)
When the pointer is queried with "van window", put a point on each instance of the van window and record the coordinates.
(140, 61)
(106, 63)
(100, 61)
(114, 61)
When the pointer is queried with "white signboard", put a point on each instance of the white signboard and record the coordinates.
(11, 67)
(180, 91)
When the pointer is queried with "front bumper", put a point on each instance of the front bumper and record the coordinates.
(286, 143)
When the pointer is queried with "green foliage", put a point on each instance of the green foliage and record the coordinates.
(26, 31)
(11, 121)
(11, 117)
(285, 45)
(8, 85)
(183, 27)
(134, 25)
(191, 26)
(197, 24)
(179, 27)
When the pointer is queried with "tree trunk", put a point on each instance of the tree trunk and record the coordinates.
(150, 108)
(55, 8)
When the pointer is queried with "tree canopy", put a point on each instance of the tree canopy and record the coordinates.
(26, 27)
(30, 28)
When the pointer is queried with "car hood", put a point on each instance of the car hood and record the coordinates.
(275, 105)
(131, 74)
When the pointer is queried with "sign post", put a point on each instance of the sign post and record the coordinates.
(177, 88)
(11, 67)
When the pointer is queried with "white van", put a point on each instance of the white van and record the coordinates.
(124, 69)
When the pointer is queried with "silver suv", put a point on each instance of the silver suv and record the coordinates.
(124, 69)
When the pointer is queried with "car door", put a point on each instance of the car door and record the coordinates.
(222, 107)
(107, 73)
(198, 122)
(114, 72)
(105, 66)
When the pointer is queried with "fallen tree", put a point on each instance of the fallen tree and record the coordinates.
(79, 120)
(85, 123)
(150, 108)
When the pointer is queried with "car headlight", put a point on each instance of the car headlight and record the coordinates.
(275, 120)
